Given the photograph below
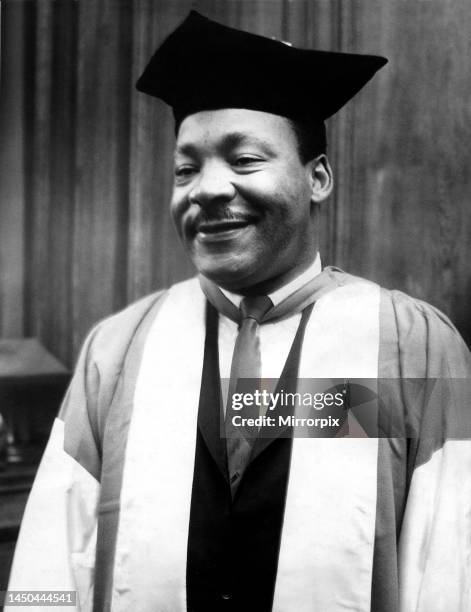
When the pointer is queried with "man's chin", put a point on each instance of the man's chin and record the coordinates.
(230, 277)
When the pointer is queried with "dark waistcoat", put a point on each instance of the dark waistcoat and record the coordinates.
(233, 543)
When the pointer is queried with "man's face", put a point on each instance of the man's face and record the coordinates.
(242, 197)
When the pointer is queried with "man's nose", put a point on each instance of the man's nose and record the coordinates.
(212, 185)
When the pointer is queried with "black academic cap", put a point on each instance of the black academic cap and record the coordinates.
(204, 65)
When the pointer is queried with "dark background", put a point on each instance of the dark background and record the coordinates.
(85, 160)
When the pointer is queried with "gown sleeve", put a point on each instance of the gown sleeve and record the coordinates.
(56, 548)
(56, 544)
(431, 368)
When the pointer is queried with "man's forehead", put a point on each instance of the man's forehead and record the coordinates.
(234, 126)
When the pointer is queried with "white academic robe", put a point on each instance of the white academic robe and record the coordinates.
(392, 526)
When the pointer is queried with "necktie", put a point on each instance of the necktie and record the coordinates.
(238, 446)
(245, 378)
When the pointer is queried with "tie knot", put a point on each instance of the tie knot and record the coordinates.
(255, 307)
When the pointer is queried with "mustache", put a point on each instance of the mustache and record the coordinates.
(218, 216)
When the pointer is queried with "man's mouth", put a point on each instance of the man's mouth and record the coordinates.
(215, 227)
(221, 229)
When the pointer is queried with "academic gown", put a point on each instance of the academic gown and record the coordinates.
(369, 523)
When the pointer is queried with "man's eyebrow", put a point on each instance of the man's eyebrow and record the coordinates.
(186, 149)
(228, 141)
(235, 139)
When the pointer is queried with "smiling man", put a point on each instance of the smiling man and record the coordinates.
(244, 201)
(149, 496)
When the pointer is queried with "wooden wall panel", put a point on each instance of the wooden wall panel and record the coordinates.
(39, 154)
(48, 128)
(62, 177)
(12, 170)
(412, 187)
(84, 220)
(101, 199)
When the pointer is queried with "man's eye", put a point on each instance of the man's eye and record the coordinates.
(184, 171)
(246, 160)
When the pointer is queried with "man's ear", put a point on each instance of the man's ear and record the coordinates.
(322, 180)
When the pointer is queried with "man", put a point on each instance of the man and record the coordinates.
(140, 500)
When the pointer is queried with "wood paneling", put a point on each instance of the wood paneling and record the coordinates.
(86, 160)
(101, 195)
(411, 186)
(12, 172)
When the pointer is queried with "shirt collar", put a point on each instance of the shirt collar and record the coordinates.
(286, 290)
